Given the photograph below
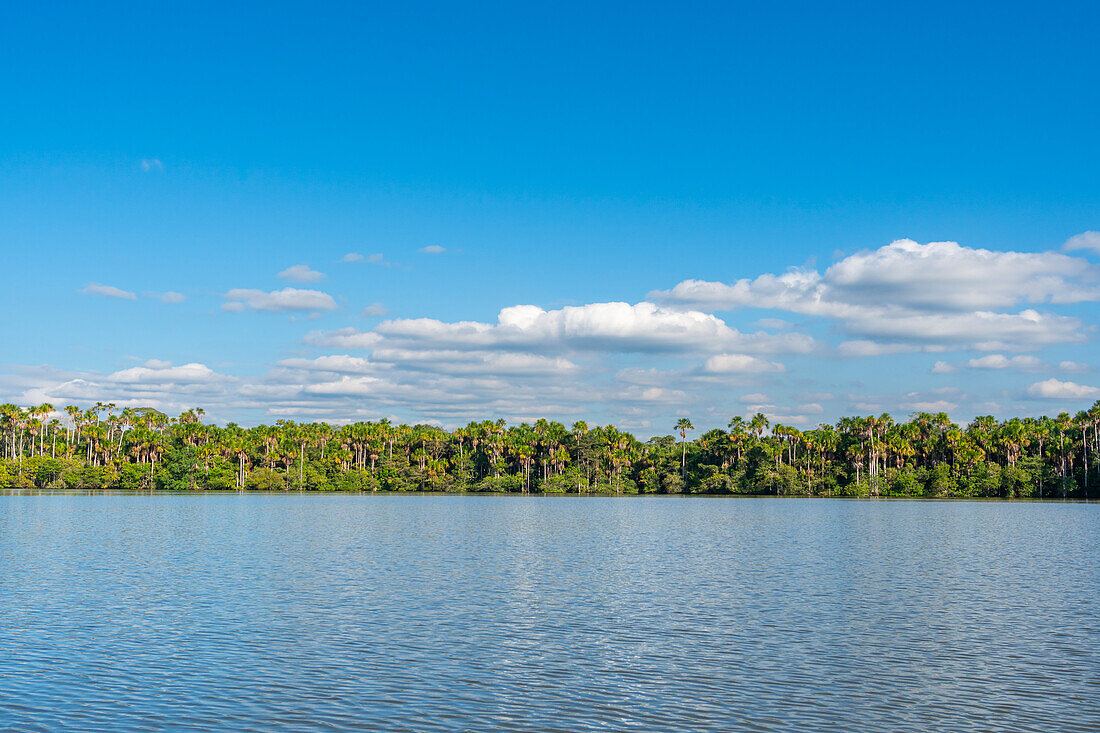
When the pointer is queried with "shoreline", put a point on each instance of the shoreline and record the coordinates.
(8, 492)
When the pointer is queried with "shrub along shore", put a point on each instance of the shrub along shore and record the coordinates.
(928, 455)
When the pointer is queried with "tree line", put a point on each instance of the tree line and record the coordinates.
(927, 455)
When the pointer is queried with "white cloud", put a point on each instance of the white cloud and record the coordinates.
(534, 361)
(1054, 389)
(300, 274)
(981, 330)
(151, 164)
(160, 372)
(739, 363)
(287, 299)
(433, 249)
(473, 362)
(378, 259)
(816, 396)
(352, 257)
(627, 363)
(1084, 240)
(338, 363)
(947, 276)
(863, 347)
(155, 384)
(929, 406)
(908, 295)
(1000, 361)
(612, 327)
(109, 291)
(343, 338)
(166, 297)
(1073, 366)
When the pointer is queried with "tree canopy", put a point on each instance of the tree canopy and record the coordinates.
(927, 455)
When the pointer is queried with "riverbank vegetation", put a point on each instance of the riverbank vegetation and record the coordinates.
(928, 455)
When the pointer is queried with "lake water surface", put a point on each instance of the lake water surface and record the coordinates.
(452, 613)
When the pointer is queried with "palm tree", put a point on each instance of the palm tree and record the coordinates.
(579, 430)
(683, 425)
(758, 424)
(737, 434)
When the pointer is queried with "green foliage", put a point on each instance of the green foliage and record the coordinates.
(716, 481)
(45, 472)
(355, 480)
(939, 482)
(219, 477)
(501, 484)
(266, 479)
(9, 474)
(90, 477)
(563, 484)
(905, 483)
(133, 477)
(143, 449)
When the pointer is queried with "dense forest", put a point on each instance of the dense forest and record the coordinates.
(144, 449)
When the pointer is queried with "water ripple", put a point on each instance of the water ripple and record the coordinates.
(412, 613)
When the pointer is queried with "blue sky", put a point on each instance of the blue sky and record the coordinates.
(564, 156)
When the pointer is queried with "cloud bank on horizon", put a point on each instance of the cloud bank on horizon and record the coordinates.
(781, 343)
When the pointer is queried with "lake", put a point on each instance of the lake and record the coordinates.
(452, 613)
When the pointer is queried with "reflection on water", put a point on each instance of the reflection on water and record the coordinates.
(444, 613)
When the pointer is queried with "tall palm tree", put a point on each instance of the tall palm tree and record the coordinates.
(737, 434)
(758, 424)
(579, 430)
(683, 425)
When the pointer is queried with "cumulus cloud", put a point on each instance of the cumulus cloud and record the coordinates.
(1000, 361)
(907, 296)
(533, 361)
(343, 338)
(1053, 389)
(635, 363)
(940, 276)
(865, 347)
(433, 249)
(616, 327)
(1085, 240)
(156, 384)
(287, 299)
(739, 364)
(109, 291)
(300, 274)
(1073, 366)
(161, 373)
(166, 297)
(378, 259)
(352, 257)
(929, 406)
